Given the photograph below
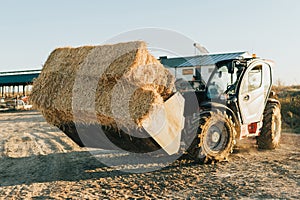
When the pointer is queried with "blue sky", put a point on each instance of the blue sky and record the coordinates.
(31, 29)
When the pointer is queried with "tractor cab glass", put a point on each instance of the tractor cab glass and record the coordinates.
(253, 80)
(223, 80)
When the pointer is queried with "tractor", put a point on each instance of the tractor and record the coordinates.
(236, 103)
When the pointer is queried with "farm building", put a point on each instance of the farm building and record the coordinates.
(200, 66)
(17, 82)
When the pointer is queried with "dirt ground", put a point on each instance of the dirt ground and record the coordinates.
(37, 161)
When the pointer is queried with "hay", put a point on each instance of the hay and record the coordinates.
(109, 85)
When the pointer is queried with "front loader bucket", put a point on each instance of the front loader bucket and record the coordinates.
(162, 129)
(166, 122)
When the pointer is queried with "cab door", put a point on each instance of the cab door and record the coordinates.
(254, 91)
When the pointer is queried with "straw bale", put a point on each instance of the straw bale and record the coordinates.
(108, 85)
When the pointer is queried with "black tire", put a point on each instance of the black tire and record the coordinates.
(271, 131)
(216, 138)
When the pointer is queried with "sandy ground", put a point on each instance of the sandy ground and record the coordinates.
(38, 161)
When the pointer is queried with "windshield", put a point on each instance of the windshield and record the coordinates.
(222, 81)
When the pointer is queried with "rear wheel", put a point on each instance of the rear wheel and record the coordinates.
(271, 131)
(215, 140)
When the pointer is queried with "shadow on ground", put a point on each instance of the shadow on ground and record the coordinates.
(74, 166)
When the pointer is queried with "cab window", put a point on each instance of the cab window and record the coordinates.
(253, 80)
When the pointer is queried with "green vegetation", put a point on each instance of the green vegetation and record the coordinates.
(290, 107)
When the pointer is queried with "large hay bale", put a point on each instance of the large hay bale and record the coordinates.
(108, 85)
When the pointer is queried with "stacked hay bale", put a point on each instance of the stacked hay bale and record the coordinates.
(110, 85)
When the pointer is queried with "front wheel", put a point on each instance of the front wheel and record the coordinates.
(271, 131)
(216, 138)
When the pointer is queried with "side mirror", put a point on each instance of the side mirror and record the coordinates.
(231, 67)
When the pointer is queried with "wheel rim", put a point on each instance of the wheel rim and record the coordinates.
(216, 138)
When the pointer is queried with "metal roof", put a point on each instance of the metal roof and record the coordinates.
(18, 77)
(200, 60)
